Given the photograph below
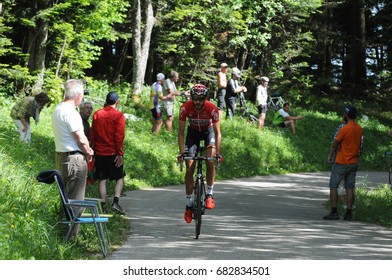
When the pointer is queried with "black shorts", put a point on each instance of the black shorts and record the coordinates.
(282, 125)
(156, 113)
(262, 109)
(193, 139)
(106, 169)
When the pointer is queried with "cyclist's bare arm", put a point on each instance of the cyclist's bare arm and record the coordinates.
(181, 136)
(218, 136)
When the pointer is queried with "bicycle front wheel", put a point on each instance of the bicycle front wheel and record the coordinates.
(198, 206)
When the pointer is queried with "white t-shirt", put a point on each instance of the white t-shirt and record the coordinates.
(66, 120)
(261, 95)
(283, 113)
(169, 84)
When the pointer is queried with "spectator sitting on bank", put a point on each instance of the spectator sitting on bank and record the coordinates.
(282, 118)
(29, 106)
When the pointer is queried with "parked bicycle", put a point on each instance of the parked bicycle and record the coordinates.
(199, 190)
(245, 114)
(275, 101)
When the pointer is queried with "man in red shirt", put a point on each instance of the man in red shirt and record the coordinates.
(203, 118)
(107, 139)
(349, 139)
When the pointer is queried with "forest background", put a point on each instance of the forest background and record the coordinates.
(307, 48)
(318, 54)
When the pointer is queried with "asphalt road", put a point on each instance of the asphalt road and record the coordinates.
(259, 218)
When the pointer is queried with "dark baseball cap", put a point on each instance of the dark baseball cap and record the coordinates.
(111, 98)
(350, 111)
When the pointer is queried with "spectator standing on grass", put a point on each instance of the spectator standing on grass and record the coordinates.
(85, 110)
(282, 118)
(261, 100)
(72, 146)
(222, 84)
(28, 107)
(170, 92)
(341, 190)
(107, 139)
(232, 91)
(156, 96)
(345, 167)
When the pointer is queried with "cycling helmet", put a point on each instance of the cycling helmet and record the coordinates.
(199, 90)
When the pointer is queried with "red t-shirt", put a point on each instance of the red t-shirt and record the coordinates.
(107, 132)
(350, 137)
(202, 120)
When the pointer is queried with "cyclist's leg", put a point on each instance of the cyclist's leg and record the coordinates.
(192, 142)
(209, 141)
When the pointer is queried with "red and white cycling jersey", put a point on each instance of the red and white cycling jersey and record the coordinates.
(202, 120)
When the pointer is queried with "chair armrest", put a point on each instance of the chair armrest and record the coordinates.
(82, 203)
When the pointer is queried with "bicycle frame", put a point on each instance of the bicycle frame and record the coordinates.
(244, 109)
(275, 102)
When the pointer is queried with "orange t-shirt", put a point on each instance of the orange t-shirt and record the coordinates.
(350, 137)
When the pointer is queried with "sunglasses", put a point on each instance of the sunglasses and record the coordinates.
(200, 99)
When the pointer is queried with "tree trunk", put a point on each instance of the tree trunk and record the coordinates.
(38, 39)
(354, 67)
(141, 42)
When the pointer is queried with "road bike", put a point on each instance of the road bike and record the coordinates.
(275, 101)
(199, 190)
(245, 114)
(388, 155)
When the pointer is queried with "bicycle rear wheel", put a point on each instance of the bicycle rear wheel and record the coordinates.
(198, 203)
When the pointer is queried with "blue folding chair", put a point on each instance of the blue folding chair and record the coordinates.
(74, 208)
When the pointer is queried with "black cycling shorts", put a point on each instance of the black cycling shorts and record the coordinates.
(194, 137)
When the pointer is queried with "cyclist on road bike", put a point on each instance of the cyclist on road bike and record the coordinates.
(203, 119)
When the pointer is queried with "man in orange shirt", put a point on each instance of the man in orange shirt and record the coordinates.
(349, 140)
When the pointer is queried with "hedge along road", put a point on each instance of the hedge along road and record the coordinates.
(258, 218)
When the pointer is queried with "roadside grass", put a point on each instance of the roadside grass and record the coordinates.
(374, 205)
(29, 210)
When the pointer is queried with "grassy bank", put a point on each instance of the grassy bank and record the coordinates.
(29, 209)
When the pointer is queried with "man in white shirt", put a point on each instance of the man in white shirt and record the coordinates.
(170, 92)
(261, 100)
(72, 147)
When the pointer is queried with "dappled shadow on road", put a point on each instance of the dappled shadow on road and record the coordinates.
(271, 217)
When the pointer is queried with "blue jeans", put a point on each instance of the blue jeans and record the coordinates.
(346, 172)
